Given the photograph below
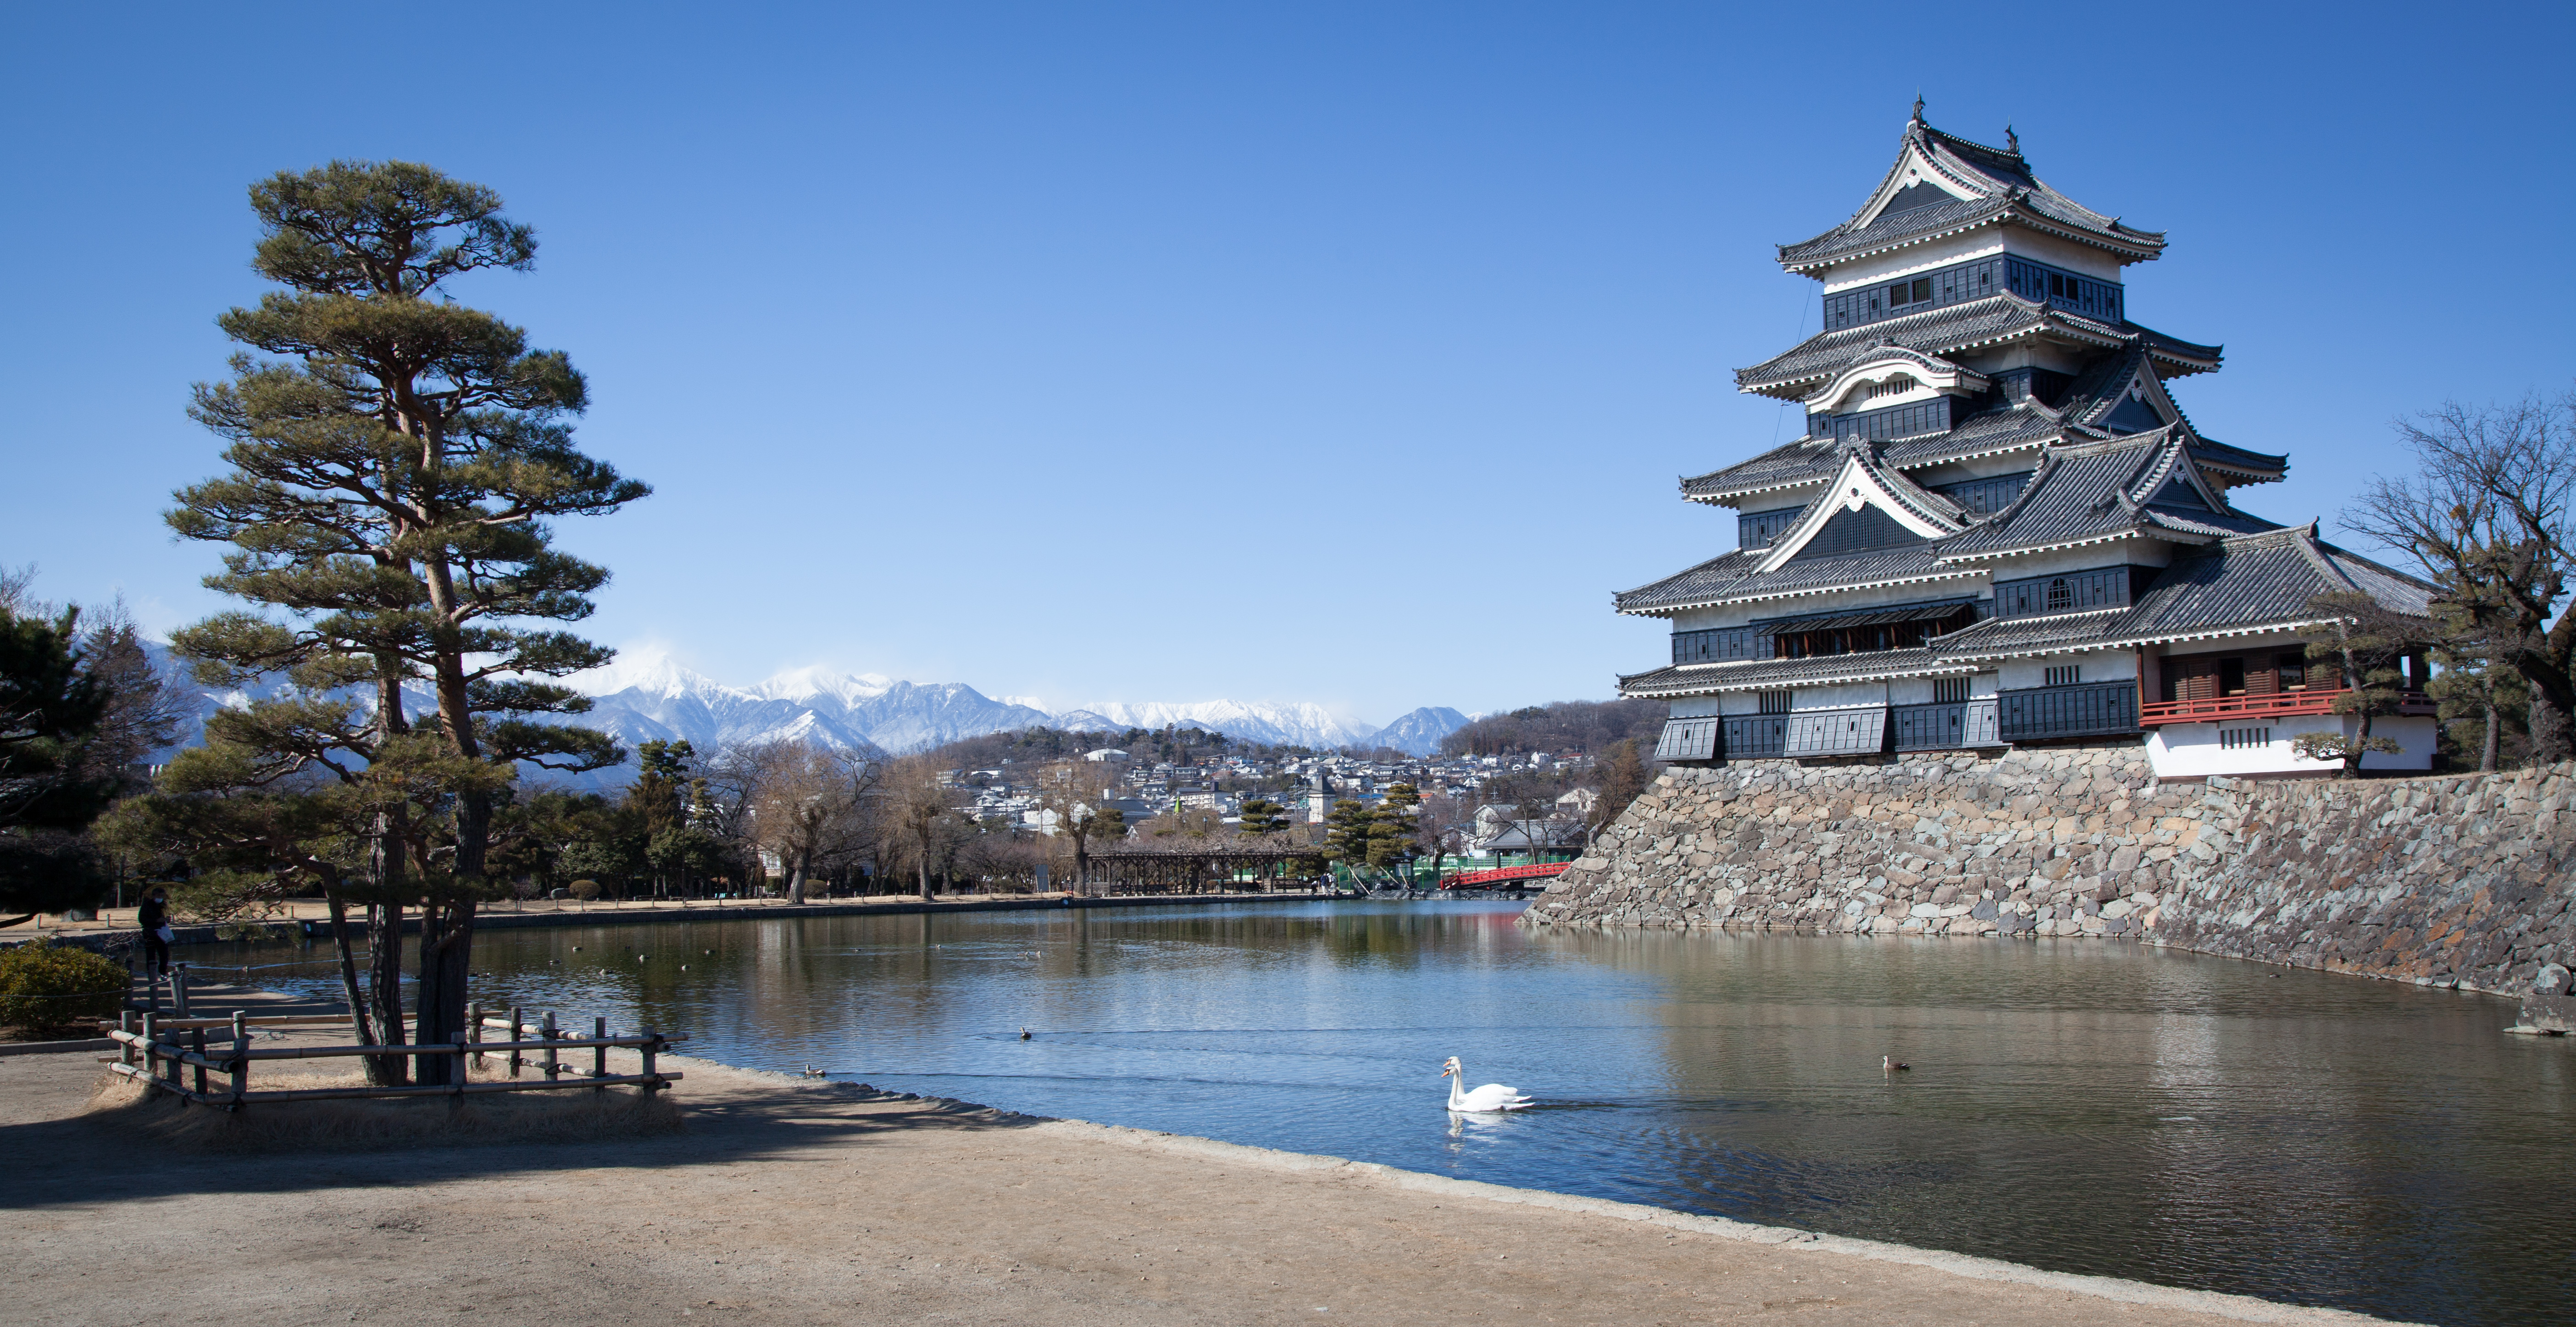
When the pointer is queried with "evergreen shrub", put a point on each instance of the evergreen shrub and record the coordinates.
(46, 988)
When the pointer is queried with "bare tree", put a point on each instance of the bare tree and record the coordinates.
(801, 801)
(920, 801)
(1440, 827)
(2486, 515)
(1075, 791)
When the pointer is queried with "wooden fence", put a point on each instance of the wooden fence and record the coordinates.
(176, 1057)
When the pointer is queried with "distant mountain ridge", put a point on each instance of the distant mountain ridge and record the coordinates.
(1301, 724)
(1419, 733)
(645, 698)
(655, 699)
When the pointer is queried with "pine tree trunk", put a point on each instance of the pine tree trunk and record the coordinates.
(446, 953)
(384, 990)
(447, 944)
(2551, 739)
(2487, 751)
(359, 1020)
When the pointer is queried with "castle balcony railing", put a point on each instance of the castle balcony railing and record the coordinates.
(2082, 709)
(2219, 709)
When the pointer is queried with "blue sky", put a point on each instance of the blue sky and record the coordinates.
(1343, 353)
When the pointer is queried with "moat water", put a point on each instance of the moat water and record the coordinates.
(2076, 1105)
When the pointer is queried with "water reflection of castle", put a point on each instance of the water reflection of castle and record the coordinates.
(1998, 527)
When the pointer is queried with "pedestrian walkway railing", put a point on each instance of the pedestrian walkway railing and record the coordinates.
(176, 1056)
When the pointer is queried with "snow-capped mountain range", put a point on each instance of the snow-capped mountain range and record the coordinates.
(655, 699)
(644, 697)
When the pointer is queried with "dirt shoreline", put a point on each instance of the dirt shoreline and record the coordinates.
(794, 1201)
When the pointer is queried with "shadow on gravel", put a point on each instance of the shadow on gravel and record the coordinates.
(125, 1150)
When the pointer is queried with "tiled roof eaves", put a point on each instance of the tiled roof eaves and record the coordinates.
(1992, 554)
(1761, 674)
(1844, 244)
(2225, 456)
(1693, 491)
(1836, 588)
(2027, 637)
(2016, 318)
(1945, 331)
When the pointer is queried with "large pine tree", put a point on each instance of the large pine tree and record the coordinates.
(397, 463)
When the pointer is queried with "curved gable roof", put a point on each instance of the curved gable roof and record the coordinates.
(1985, 185)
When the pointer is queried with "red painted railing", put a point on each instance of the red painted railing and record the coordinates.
(1480, 879)
(2314, 700)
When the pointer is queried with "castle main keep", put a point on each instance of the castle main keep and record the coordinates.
(1999, 529)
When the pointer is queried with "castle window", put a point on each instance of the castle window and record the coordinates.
(1774, 702)
(1915, 291)
(2066, 676)
(1949, 690)
(2293, 669)
(1895, 383)
(2060, 598)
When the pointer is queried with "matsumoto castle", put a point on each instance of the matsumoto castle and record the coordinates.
(1999, 529)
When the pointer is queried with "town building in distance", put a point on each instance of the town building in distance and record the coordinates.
(1998, 528)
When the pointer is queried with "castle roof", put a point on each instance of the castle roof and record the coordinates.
(1997, 320)
(2094, 492)
(1942, 185)
(2239, 585)
(2262, 579)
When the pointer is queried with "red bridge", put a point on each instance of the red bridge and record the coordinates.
(1499, 875)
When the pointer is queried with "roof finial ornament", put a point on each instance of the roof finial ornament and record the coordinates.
(1918, 106)
(2012, 141)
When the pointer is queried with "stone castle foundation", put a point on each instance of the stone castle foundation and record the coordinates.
(2457, 880)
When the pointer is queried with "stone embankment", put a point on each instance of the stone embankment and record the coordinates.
(2461, 880)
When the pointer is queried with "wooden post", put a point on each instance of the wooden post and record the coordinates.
(599, 1054)
(554, 1067)
(648, 1049)
(474, 1028)
(151, 1030)
(517, 1018)
(197, 1043)
(125, 1024)
(241, 1056)
(179, 989)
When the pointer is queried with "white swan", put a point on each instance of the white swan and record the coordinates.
(1490, 1097)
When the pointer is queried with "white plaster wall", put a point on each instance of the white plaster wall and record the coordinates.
(1701, 619)
(1841, 696)
(1972, 585)
(1981, 467)
(1984, 684)
(1796, 495)
(2055, 252)
(2090, 557)
(2098, 666)
(1694, 707)
(1740, 702)
(2265, 643)
(1915, 258)
(2192, 750)
(2025, 354)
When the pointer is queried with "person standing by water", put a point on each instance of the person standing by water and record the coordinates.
(154, 918)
